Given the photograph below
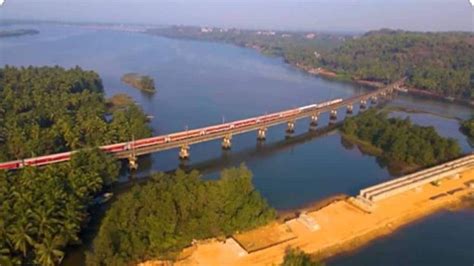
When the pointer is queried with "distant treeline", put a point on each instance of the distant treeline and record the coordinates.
(442, 63)
(46, 110)
(294, 47)
(158, 219)
(400, 140)
(439, 63)
(15, 33)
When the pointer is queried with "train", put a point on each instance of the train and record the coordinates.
(171, 138)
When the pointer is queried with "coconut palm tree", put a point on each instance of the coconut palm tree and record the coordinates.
(21, 236)
(49, 251)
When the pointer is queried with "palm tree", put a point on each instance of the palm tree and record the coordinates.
(48, 252)
(44, 219)
(20, 235)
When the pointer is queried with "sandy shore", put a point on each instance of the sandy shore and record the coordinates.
(342, 227)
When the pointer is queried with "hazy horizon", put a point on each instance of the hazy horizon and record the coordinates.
(324, 15)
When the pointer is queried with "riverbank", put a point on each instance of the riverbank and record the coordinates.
(332, 235)
(394, 167)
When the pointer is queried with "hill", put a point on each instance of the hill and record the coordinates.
(439, 63)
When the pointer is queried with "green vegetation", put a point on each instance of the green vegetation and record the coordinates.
(441, 63)
(400, 140)
(295, 257)
(467, 127)
(294, 47)
(144, 83)
(46, 110)
(158, 219)
(17, 33)
(42, 209)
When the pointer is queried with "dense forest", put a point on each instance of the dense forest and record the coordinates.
(296, 257)
(46, 110)
(438, 63)
(467, 127)
(401, 140)
(42, 209)
(158, 219)
(442, 63)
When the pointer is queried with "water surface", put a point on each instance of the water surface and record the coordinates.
(201, 83)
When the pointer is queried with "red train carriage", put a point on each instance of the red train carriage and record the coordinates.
(10, 165)
(48, 159)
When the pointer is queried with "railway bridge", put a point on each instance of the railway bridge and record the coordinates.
(184, 139)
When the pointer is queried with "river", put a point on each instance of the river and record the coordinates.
(202, 83)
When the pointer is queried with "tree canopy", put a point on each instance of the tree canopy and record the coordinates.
(46, 110)
(42, 209)
(161, 217)
(296, 257)
(468, 127)
(442, 63)
(401, 140)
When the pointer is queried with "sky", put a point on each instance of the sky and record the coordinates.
(341, 15)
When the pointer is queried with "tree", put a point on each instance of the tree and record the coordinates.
(161, 217)
(296, 257)
(48, 253)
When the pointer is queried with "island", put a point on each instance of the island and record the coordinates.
(17, 33)
(141, 82)
(398, 143)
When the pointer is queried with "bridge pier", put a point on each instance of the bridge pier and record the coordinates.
(333, 115)
(227, 142)
(291, 127)
(373, 99)
(262, 134)
(350, 109)
(363, 104)
(132, 162)
(184, 152)
(314, 121)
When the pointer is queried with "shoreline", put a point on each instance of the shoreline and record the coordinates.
(329, 74)
(333, 236)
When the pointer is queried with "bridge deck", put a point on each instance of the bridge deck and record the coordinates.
(126, 149)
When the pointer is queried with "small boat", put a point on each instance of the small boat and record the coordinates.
(102, 198)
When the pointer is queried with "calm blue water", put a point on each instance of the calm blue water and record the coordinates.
(441, 239)
(203, 83)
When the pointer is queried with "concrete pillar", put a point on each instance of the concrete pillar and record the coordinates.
(363, 104)
(227, 142)
(333, 115)
(262, 133)
(184, 152)
(374, 100)
(132, 162)
(291, 127)
(350, 109)
(314, 120)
